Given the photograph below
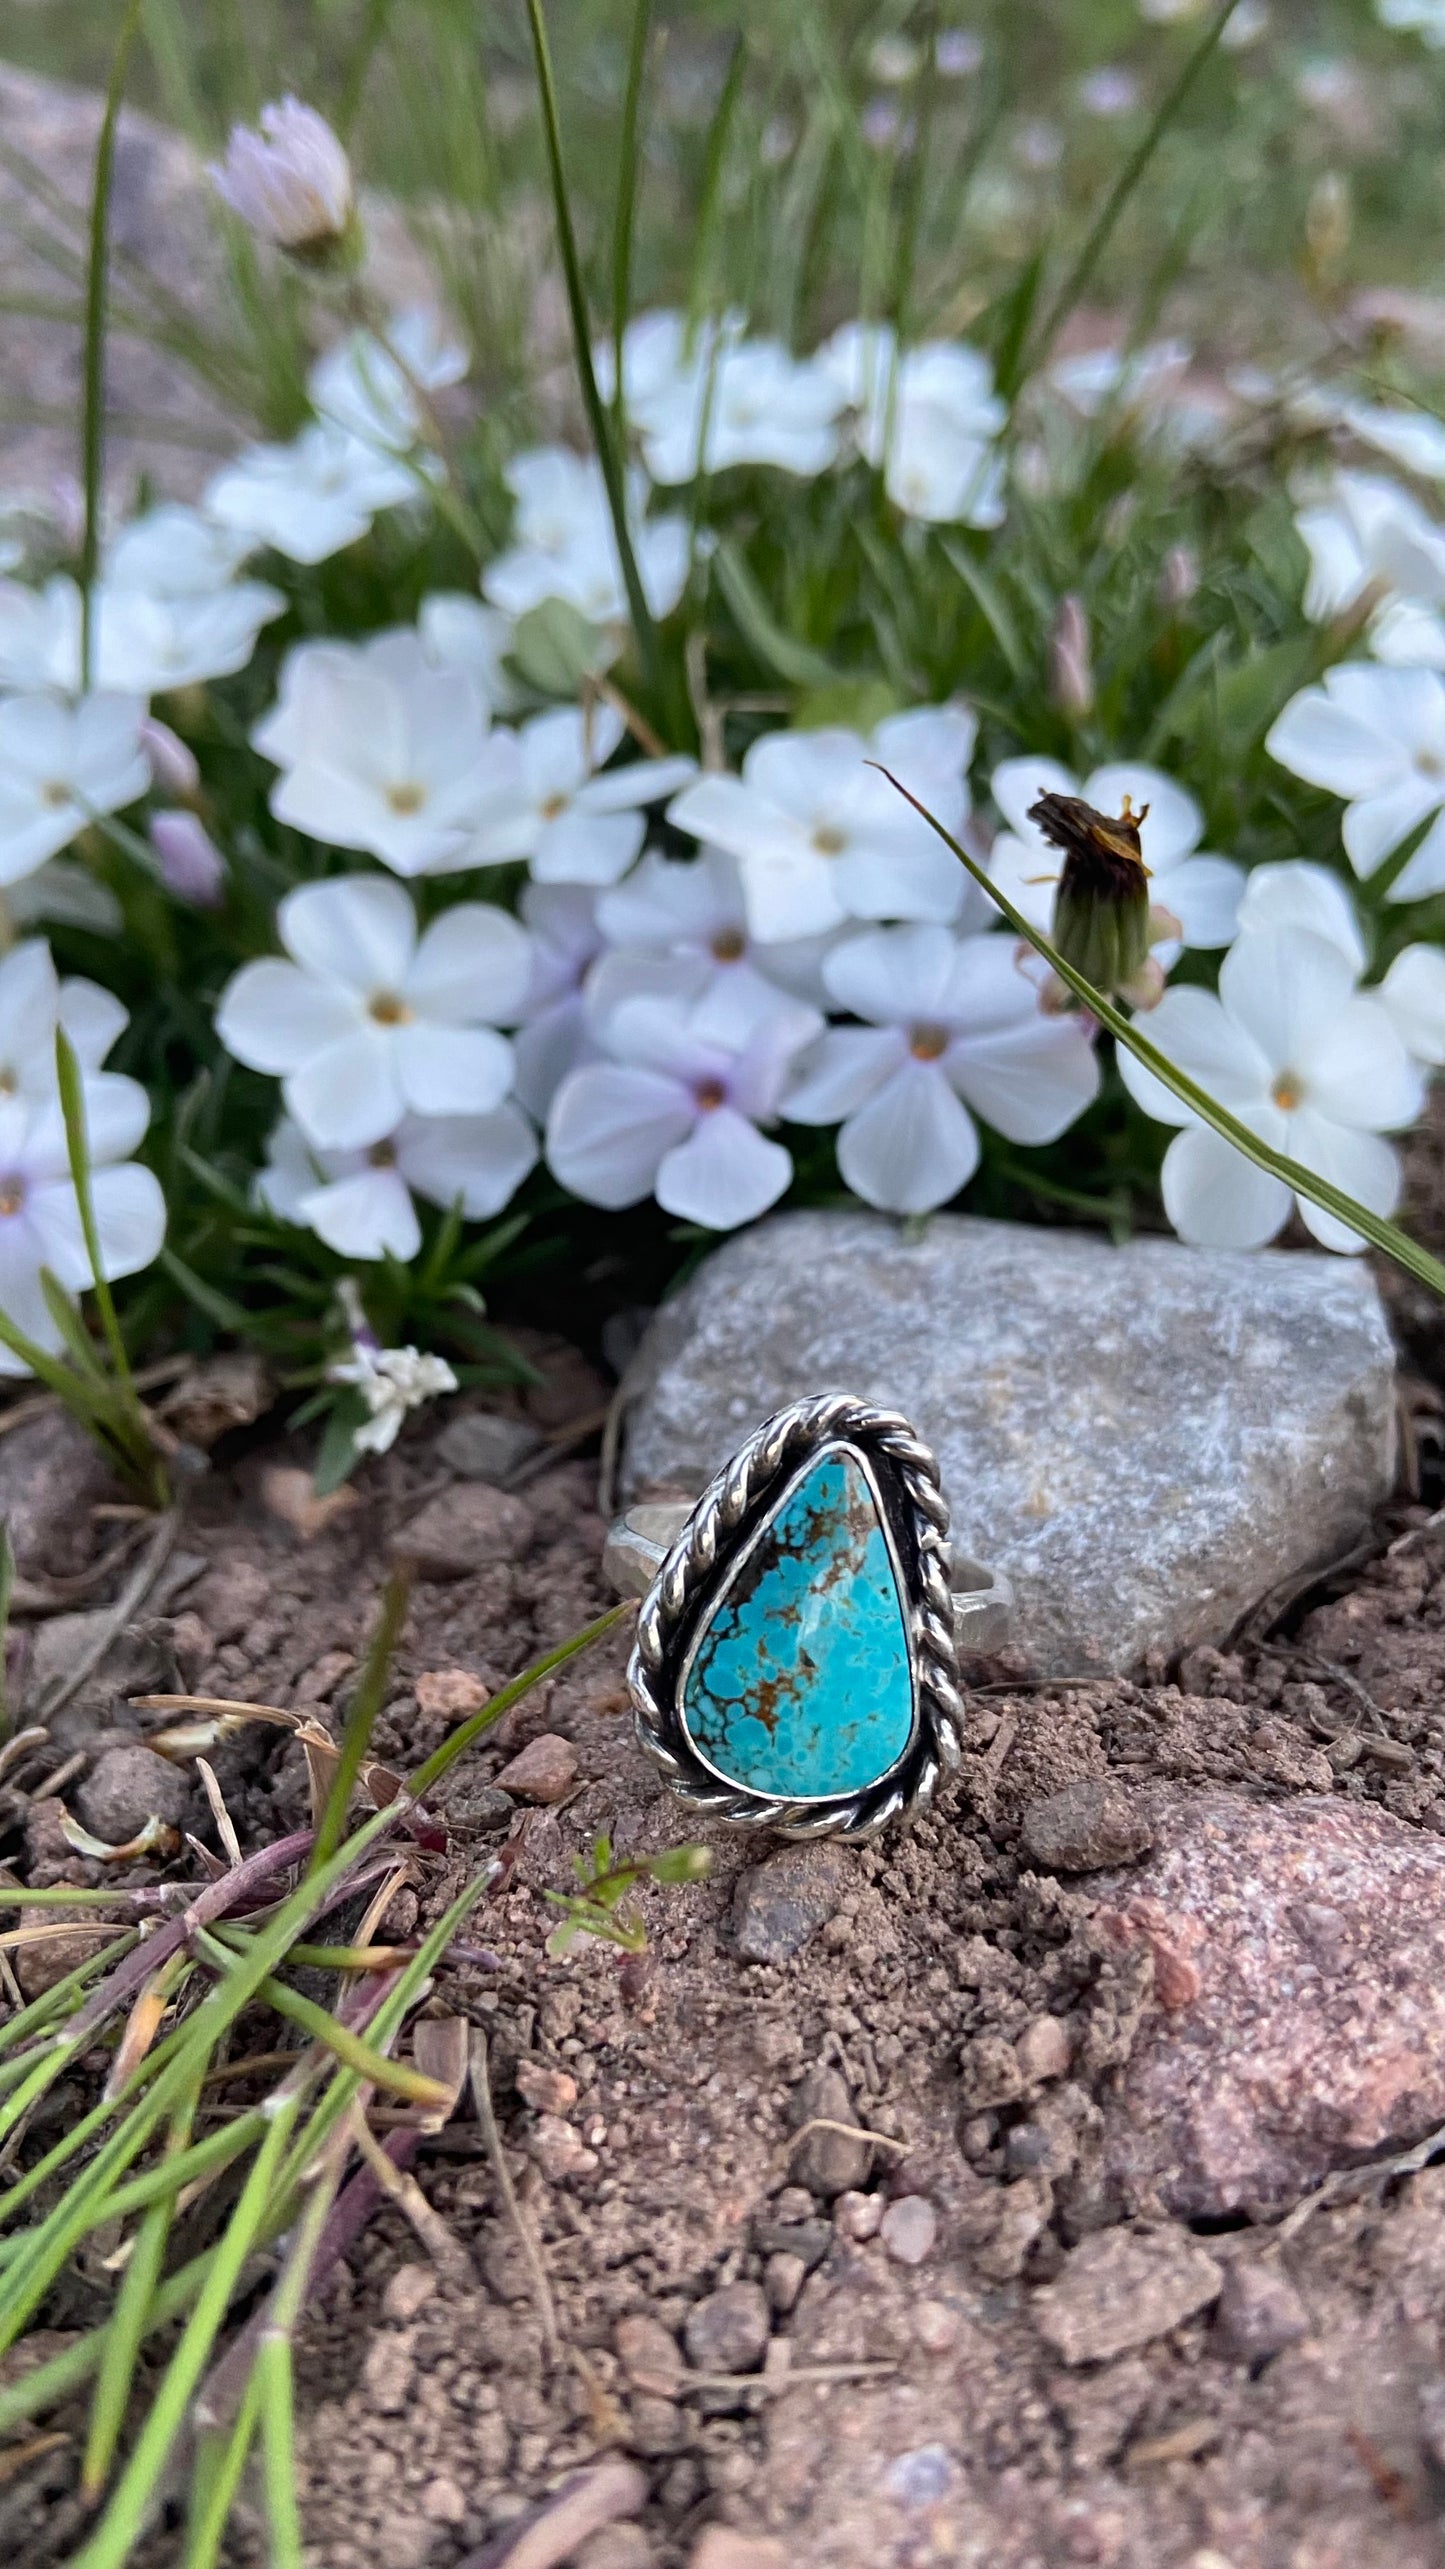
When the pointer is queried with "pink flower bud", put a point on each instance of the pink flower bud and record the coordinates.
(192, 866)
(172, 764)
(1071, 669)
(291, 181)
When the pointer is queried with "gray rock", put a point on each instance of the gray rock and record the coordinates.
(51, 1475)
(728, 2331)
(1144, 1438)
(125, 1788)
(827, 2163)
(780, 1904)
(808, 2241)
(463, 1530)
(1123, 2288)
(480, 1446)
(1259, 2313)
(908, 2229)
(1085, 1826)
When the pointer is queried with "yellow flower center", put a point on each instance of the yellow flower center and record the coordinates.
(1288, 1092)
(554, 806)
(729, 945)
(381, 1156)
(709, 1094)
(56, 793)
(12, 1196)
(387, 1008)
(405, 799)
(928, 1043)
(829, 841)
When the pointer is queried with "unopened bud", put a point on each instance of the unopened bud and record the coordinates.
(172, 765)
(1179, 577)
(1071, 666)
(1101, 913)
(291, 182)
(192, 866)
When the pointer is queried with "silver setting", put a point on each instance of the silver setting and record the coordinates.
(718, 1534)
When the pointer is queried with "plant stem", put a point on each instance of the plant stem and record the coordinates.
(93, 411)
(626, 212)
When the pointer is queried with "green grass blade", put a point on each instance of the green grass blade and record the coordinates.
(1382, 1235)
(512, 1693)
(1097, 238)
(608, 454)
(625, 217)
(93, 400)
(128, 2320)
(361, 1719)
(77, 1144)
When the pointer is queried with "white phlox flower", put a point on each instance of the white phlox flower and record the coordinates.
(1412, 993)
(821, 836)
(564, 544)
(291, 181)
(550, 796)
(741, 402)
(40, 1224)
(927, 417)
(1138, 380)
(392, 1381)
(1365, 532)
(377, 389)
(62, 893)
(554, 1034)
(34, 1002)
(1199, 891)
(311, 497)
(1313, 1067)
(60, 765)
(167, 612)
(381, 749)
(1376, 738)
(359, 1202)
(458, 632)
(675, 1110)
(949, 1025)
(695, 908)
(1422, 18)
(367, 1021)
(1413, 439)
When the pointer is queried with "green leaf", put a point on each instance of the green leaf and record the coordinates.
(337, 1456)
(796, 662)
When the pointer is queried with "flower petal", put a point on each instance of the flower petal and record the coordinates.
(726, 1172)
(1198, 1033)
(1216, 1198)
(1366, 1167)
(610, 1126)
(368, 1216)
(842, 1071)
(359, 931)
(584, 846)
(1356, 1070)
(1413, 991)
(912, 1146)
(1017, 783)
(475, 1161)
(1175, 824)
(472, 967)
(273, 1016)
(1204, 893)
(452, 1070)
(350, 1094)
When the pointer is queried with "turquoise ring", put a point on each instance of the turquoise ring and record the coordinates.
(796, 1660)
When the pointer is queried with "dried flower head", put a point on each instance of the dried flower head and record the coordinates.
(1104, 922)
(291, 182)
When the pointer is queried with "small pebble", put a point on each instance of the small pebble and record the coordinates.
(935, 2326)
(728, 2331)
(908, 2229)
(544, 1771)
(125, 1788)
(1259, 2313)
(449, 1694)
(551, 2091)
(857, 2215)
(1086, 1826)
(1042, 2050)
(618, 2546)
(648, 2353)
(827, 2163)
(442, 2502)
(719, 2546)
(783, 2280)
(463, 1530)
(290, 1494)
(408, 2291)
(559, 2151)
(481, 1446)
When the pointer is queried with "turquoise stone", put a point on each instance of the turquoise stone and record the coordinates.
(801, 1683)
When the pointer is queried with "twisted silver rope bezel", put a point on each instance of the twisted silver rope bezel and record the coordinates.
(747, 1483)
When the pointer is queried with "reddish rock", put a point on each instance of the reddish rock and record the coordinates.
(544, 1771)
(1299, 2017)
(449, 1694)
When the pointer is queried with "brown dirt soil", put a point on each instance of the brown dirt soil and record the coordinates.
(887, 2395)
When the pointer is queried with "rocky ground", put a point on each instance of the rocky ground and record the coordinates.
(975, 2197)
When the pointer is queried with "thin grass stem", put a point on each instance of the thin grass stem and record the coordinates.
(93, 397)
